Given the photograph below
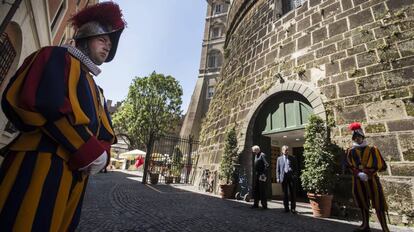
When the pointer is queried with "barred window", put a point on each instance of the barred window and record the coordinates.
(289, 5)
(7, 55)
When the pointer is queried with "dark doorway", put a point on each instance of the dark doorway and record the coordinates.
(264, 143)
(298, 153)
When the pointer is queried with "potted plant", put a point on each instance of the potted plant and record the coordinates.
(177, 164)
(154, 173)
(154, 176)
(227, 165)
(169, 179)
(318, 174)
(167, 171)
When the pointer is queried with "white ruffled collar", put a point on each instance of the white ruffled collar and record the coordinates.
(363, 144)
(84, 59)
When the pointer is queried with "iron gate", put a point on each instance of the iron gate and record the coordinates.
(173, 158)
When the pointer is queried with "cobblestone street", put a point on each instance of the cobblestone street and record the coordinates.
(116, 201)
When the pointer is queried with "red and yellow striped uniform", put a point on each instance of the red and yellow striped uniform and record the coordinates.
(368, 160)
(64, 125)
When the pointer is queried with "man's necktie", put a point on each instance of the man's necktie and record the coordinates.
(286, 164)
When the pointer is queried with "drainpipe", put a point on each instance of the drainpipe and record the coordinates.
(9, 15)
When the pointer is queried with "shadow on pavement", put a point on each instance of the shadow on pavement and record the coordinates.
(116, 201)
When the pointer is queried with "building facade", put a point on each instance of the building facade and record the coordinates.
(33, 25)
(344, 60)
(212, 56)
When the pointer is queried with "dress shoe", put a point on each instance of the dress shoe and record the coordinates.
(293, 211)
(265, 207)
(286, 211)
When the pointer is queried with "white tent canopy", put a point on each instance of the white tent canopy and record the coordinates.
(131, 154)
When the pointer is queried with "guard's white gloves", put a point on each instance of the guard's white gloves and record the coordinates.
(363, 176)
(96, 165)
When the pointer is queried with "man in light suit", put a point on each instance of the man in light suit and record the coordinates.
(286, 173)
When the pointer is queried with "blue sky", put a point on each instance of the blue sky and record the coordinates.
(163, 36)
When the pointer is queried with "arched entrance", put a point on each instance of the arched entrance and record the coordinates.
(278, 118)
(281, 121)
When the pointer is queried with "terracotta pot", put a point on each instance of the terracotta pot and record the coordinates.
(154, 178)
(321, 204)
(169, 179)
(227, 190)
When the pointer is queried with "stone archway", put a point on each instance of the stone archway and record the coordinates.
(246, 139)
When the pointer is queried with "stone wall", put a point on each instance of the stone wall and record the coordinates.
(357, 54)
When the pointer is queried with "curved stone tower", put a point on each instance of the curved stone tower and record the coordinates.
(346, 60)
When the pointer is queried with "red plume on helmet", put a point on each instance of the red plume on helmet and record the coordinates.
(354, 126)
(356, 129)
(105, 13)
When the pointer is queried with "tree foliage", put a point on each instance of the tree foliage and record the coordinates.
(229, 157)
(152, 108)
(177, 161)
(318, 175)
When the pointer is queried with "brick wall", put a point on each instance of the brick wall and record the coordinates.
(358, 54)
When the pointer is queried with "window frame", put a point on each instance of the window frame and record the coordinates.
(63, 40)
(215, 29)
(212, 60)
(218, 8)
(289, 5)
(58, 18)
(210, 91)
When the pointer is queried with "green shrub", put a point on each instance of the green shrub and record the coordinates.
(177, 161)
(318, 175)
(229, 157)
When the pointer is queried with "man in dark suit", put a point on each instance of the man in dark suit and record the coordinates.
(286, 173)
(260, 177)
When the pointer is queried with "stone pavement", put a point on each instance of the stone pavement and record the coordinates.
(117, 201)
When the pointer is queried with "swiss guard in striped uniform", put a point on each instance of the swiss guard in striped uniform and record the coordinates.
(365, 161)
(65, 129)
